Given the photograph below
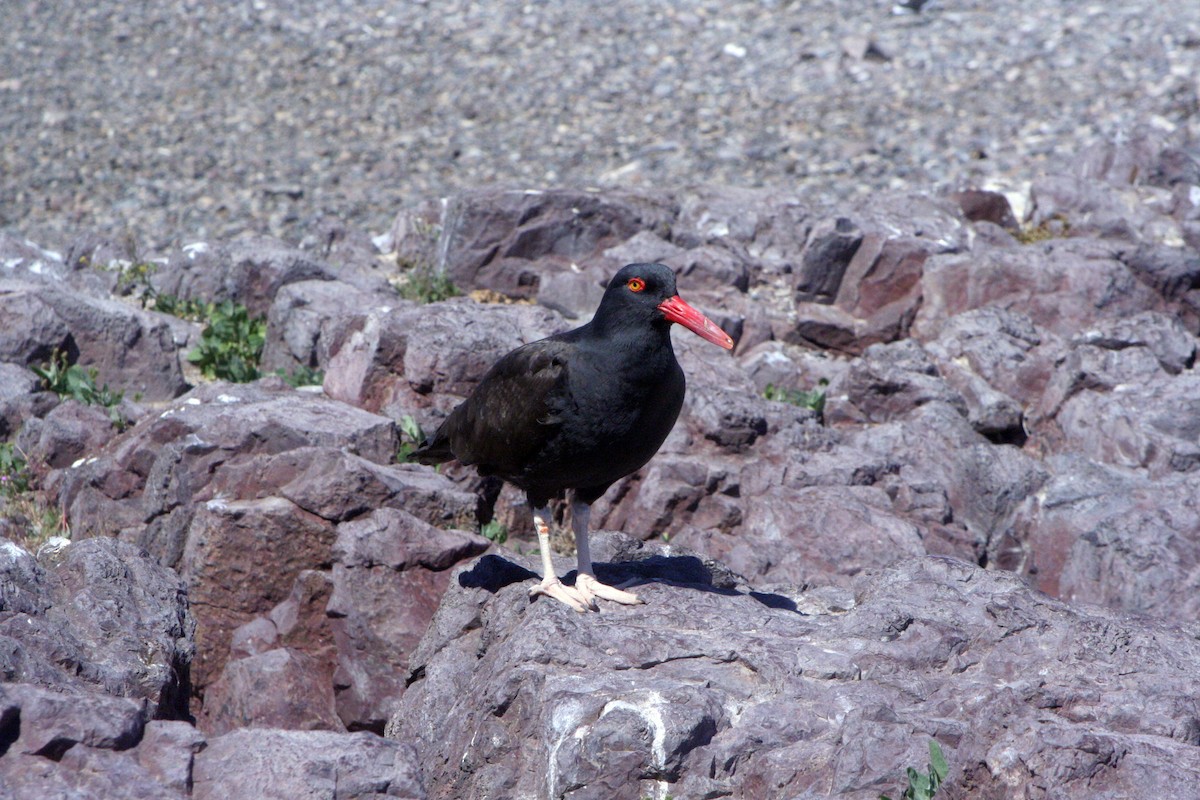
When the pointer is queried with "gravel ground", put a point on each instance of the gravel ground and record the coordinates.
(182, 119)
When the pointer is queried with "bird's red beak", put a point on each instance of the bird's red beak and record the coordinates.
(676, 310)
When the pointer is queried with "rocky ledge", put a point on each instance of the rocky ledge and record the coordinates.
(975, 523)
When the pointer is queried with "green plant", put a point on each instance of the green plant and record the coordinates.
(184, 307)
(411, 437)
(24, 508)
(495, 531)
(14, 475)
(425, 284)
(73, 381)
(230, 344)
(924, 785)
(813, 400)
(302, 376)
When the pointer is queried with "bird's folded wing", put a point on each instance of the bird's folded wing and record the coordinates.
(514, 410)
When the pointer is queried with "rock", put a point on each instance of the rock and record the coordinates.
(636, 705)
(97, 615)
(828, 252)
(249, 271)
(281, 688)
(227, 543)
(167, 751)
(1002, 347)
(401, 362)
(1154, 424)
(309, 321)
(132, 350)
(77, 743)
(1063, 286)
(869, 266)
(290, 764)
(503, 240)
(389, 574)
(980, 205)
(886, 383)
(20, 398)
(1092, 531)
(67, 433)
(143, 485)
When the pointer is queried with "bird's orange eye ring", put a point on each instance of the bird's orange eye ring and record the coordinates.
(636, 284)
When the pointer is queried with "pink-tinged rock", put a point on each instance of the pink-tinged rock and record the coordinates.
(502, 240)
(143, 485)
(868, 267)
(980, 205)
(404, 360)
(68, 433)
(1000, 347)
(389, 574)
(228, 544)
(167, 751)
(281, 688)
(818, 535)
(1064, 286)
(1111, 536)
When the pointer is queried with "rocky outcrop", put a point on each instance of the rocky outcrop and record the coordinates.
(944, 488)
(715, 689)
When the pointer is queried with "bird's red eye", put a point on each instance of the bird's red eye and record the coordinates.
(636, 284)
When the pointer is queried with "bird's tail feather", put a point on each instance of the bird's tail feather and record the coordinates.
(434, 450)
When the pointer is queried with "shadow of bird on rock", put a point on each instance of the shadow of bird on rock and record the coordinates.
(493, 572)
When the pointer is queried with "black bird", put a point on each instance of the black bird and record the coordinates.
(579, 410)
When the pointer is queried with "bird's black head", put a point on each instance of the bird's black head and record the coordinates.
(645, 295)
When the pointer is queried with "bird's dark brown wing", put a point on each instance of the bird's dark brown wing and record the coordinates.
(505, 422)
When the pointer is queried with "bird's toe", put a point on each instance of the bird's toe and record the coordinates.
(564, 594)
(592, 588)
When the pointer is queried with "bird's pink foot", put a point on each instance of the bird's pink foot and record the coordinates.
(591, 588)
(553, 587)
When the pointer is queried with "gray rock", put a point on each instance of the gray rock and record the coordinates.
(309, 320)
(97, 614)
(132, 350)
(513, 698)
(278, 764)
(248, 270)
(20, 398)
(886, 383)
(1111, 536)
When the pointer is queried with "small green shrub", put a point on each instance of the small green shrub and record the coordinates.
(924, 785)
(425, 284)
(14, 472)
(183, 307)
(813, 400)
(77, 383)
(411, 437)
(495, 531)
(302, 376)
(25, 508)
(231, 344)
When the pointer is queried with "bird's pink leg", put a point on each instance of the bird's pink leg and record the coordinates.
(551, 586)
(585, 579)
